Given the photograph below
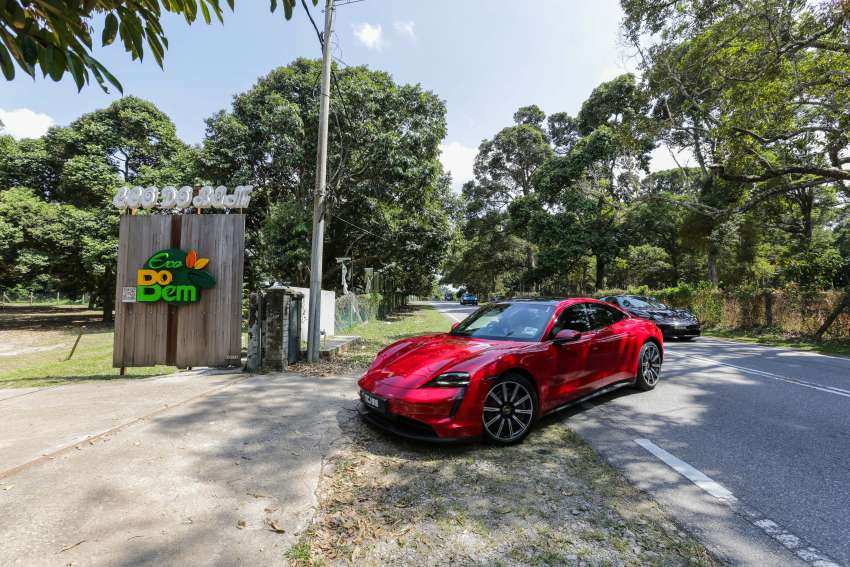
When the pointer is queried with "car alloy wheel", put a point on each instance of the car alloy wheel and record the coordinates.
(509, 409)
(649, 366)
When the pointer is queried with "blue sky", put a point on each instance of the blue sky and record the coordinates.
(485, 58)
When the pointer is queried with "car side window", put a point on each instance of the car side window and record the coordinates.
(602, 316)
(573, 317)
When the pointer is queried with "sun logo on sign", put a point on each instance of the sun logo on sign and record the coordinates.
(173, 276)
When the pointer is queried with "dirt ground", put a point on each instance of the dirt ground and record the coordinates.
(547, 501)
(35, 328)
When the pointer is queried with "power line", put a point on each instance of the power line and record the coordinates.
(358, 227)
(334, 85)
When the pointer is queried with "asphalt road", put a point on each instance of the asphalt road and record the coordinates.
(747, 446)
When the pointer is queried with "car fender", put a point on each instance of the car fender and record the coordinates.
(646, 331)
(531, 362)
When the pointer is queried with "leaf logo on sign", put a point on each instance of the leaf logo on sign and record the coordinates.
(173, 276)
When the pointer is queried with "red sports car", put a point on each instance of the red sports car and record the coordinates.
(506, 365)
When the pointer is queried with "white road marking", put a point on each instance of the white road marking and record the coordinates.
(793, 543)
(828, 389)
(700, 479)
(450, 314)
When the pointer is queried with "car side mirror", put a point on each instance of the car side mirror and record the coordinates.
(455, 326)
(567, 336)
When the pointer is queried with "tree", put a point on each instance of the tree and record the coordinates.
(756, 90)
(387, 202)
(67, 179)
(504, 169)
(658, 215)
(603, 149)
(56, 35)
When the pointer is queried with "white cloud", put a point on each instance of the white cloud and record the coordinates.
(370, 36)
(24, 123)
(406, 29)
(459, 160)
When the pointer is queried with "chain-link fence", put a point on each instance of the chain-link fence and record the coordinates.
(25, 297)
(353, 310)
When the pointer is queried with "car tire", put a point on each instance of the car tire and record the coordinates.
(648, 366)
(509, 410)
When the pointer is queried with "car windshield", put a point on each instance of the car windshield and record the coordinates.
(644, 303)
(507, 321)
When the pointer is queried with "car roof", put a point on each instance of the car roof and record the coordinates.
(550, 300)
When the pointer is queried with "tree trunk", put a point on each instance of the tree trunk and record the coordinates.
(108, 290)
(600, 272)
(674, 264)
(806, 199)
(529, 257)
(712, 265)
(842, 305)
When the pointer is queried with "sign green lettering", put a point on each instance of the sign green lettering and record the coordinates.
(173, 276)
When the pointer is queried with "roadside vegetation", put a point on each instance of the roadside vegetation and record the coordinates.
(409, 321)
(35, 342)
(747, 102)
(787, 317)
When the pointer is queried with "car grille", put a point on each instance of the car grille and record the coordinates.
(401, 425)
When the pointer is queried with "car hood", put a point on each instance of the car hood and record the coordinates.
(665, 313)
(410, 363)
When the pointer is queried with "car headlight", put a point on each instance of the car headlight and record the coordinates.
(450, 380)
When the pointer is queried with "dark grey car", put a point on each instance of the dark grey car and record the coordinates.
(674, 323)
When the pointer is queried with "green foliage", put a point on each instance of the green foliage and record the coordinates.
(755, 93)
(814, 268)
(388, 205)
(61, 232)
(56, 36)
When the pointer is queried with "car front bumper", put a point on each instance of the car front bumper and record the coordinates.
(680, 330)
(426, 414)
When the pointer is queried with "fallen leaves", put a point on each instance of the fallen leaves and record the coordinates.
(64, 549)
(275, 528)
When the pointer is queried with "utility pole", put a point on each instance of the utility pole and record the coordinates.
(314, 321)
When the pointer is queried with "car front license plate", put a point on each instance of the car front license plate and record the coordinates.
(373, 402)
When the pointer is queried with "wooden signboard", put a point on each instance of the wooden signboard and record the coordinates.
(179, 290)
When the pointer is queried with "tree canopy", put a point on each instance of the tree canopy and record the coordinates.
(386, 203)
(56, 36)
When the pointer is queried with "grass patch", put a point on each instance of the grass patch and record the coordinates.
(92, 361)
(36, 340)
(409, 322)
(836, 347)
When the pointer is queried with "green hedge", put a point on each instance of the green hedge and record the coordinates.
(790, 309)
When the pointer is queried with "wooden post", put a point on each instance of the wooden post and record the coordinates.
(74, 348)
